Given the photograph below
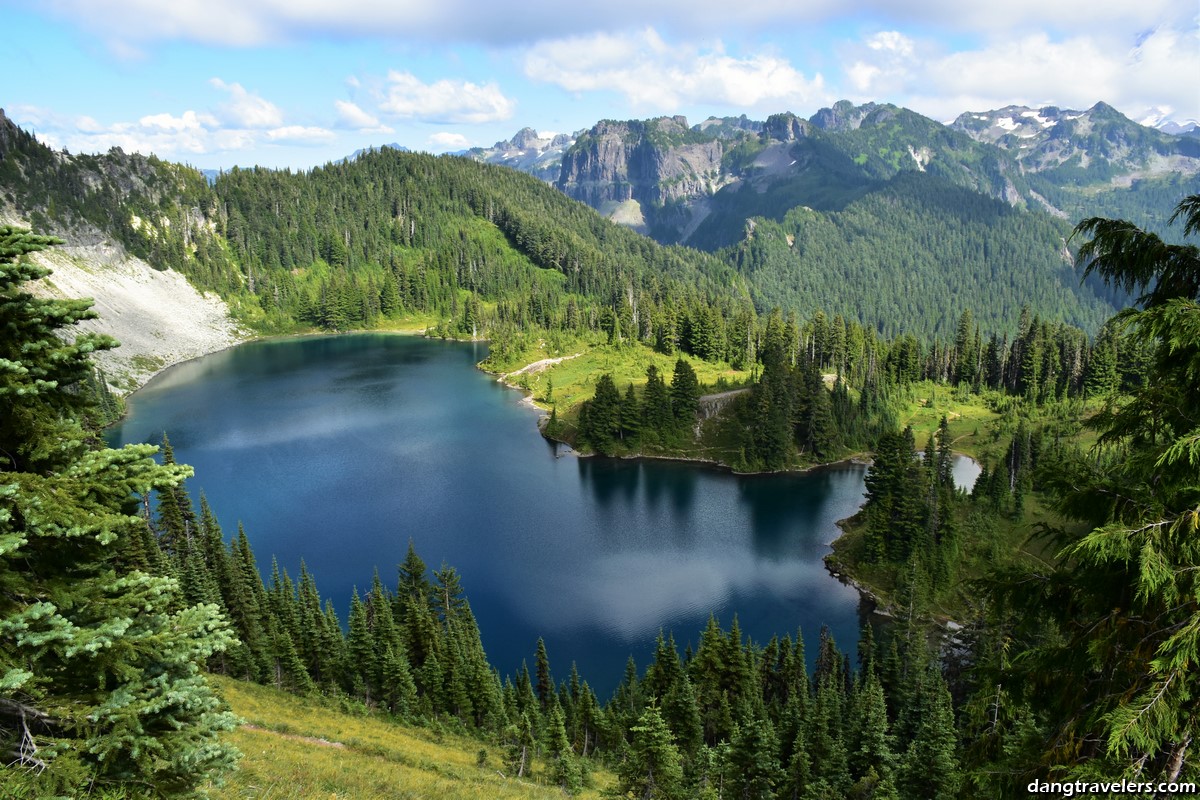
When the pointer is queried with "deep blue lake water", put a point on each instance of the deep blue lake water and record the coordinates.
(339, 450)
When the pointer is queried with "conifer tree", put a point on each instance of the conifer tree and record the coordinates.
(176, 521)
(545, 683)
(931, 767)
(100, 666)
(247, 607)
(603, 421)
(682, 715)
(825, 738)
(685, 393)
(665, 671)
(753, 771)
(872, 749)
(565, 768)
(656, 404)
(652, 768)
(1122, 681)
(448, 593)
(519, 746)
(362, 666)
(631, 415)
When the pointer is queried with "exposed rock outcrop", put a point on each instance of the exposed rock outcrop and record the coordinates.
(158, 317)
(662, 164)
(785, 127)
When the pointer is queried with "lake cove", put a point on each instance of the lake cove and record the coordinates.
(338, 450)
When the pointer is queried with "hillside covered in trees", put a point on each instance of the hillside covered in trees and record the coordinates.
(1052, 681)
(487, 251)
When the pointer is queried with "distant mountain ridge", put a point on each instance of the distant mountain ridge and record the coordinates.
(677, 182)
(1100, 138)
(528, 151)
(860, 205)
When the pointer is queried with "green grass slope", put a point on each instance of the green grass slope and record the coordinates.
(299, 748)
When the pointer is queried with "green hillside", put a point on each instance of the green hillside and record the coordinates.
(295, 748)
(910, 254)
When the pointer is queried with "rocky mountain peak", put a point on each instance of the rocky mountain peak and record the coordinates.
(10, 135)
(639, 165)
(1100, 142)
(728, 127)
(524, 139)
(842, 116)
(527, 151)
(675, 124)
(786, 127)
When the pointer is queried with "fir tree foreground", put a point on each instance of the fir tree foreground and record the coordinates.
(100, 661)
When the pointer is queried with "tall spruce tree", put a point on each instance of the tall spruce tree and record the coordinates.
(652, 768)
(100, 665)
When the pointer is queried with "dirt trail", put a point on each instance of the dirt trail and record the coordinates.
(538, 366)
(294, 737)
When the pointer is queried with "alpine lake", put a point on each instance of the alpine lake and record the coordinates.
(339, 450)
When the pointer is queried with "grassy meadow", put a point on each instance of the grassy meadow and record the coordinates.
(304, 748)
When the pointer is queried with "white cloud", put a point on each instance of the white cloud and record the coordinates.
(1035, 69)
(300, 134)
(189, 121)
(165, 134)
(884, 65)
(253, 22)
(247, 110)
(891, 42)
(351, 116)
(88, 124)
(407, 97)
(655, 75)
(443, 141)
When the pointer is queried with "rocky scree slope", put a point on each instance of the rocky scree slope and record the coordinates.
(93, 204)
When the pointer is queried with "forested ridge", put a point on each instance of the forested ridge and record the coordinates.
(918, 245)
(1077, 668)
(485, 251)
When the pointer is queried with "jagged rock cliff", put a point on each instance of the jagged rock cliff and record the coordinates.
(646, 172)
(653, 161)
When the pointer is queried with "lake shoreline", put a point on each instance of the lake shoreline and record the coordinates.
(861, 458)
(396, 427)
(248, 340)
(839, 571)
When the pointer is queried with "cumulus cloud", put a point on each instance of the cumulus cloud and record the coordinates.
(444, 141)
(247, 110)
(407, 97)
(300, 134)
(352, 117)
(188, 121)
(886, 64)
(1135, 75)
(165, 134)
(653, 74)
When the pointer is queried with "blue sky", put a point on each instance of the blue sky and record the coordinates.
(296, 83)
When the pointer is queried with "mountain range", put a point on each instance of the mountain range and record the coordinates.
(686, 183)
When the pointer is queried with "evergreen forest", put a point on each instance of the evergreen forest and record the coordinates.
(121, 593)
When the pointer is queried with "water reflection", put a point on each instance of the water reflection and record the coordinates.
(340, 450)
